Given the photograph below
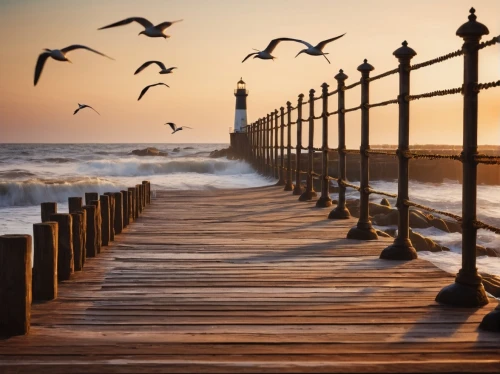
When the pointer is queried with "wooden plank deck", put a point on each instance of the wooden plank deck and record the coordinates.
(249, 281)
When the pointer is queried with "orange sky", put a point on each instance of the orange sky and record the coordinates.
(208, 48)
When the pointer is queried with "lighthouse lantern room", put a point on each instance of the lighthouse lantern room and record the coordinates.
(240, 116)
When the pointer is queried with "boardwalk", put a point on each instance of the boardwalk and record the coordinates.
(249, 281)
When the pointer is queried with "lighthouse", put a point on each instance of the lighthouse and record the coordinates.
(240, 115)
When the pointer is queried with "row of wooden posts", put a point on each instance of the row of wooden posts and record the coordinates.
(467, 290)
(62, 244)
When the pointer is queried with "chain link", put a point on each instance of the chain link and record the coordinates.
(451, 91)
(383, 75)
(485, 86)
(490, 42)
(437, 60)
(383, 103)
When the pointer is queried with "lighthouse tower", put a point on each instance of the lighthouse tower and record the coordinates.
(240, 115)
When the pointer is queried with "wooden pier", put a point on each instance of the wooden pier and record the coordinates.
(249, 281)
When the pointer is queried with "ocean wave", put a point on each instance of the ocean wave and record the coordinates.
(16, 173)
(145, 167)
(35, 191)
(54, 160)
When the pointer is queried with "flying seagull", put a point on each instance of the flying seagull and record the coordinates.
(81, 106)
(59, 55)
(318, 49)
(175, 128)
(163, 70)
(266, 53)
(149, 29)
(145, 89)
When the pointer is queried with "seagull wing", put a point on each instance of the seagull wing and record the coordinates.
(145, 89)
(143, 21)
(251, 54)
(88, 106)
(147, 63)
(162, 26)
(78, 46)
(39, 65)
(186, 127)
(322, 44)
(172, 125)
(76, 111)
(299, 41)
(272, 45)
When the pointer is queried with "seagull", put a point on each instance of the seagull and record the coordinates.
(175, 128)
(81, 106)
(149, 29)
(266, 53)
(318, 49)
(145, 89)
(163, 70)
(59, 55)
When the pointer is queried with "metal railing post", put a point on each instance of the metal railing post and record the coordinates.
(309, 193)
(298, 150)
(364, 230)
(270, 168)
(275, 160)
(468, 290)
(281, 169)
(402, 248)
(341, 211)
(267, 143)
(324, 201)
(289, 177)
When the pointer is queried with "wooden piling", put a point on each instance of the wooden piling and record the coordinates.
(15, 284)
(146, 192)
(78, 239)
(126, 213)
(75, 204)
(65, 259)
(47, 209)
(298, 150)
(111, 196)
(45, 242)
(138, 204)
(131, 203)
(118, 224)
(105, 220)
(91, 242)
(98, 233)
(90, 196)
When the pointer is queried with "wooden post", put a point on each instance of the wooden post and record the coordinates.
(341, 211)
(75, 204)
(267, 145)
(65, 259)
(15, 284)
(131, 204)
(126, 213)
(119, 212)
(97, 204)
(45, 243)
(263, 146)
(111, 196)
(145, 184)
(281, 170)
(105, 220)
(364, 230)
(143, 196)
(468, 290)
(289, 177)
(325, 200)
(48, 209)
(78, 239)
(149, 192)
(402, 248)
(275, 160)
(298, 150)
(138, 199)
(309, 193)
(91, 243)
(90, 196)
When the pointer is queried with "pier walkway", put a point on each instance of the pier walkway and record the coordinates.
(249, 281)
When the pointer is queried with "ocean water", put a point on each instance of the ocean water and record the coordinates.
(33, 173)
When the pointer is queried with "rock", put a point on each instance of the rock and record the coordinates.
(453, 226)
(438, 223)
(492, 252)
(150, 151)
(383, 234)
(491, 284)
(385, 202)
(226, 152)
(418, 220)
(378, 209)
(391, 232)
(446, 249)
(176, 149)
(188, 148)
(481, 251)
(421, 243)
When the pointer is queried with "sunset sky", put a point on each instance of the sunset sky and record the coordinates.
(208, 47)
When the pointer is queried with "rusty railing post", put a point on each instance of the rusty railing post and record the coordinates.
(275, 163)
(468, 290)
(281, 169)
(341, 211)
(298, 150)
(364, 230)
(309, 193)
(289, 177)
(402, 248)
(324, 201)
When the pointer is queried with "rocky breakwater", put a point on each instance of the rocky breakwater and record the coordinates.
(149, 151)
(225, 152)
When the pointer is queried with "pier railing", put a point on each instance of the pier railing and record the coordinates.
(467, 289)
(62, 244)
